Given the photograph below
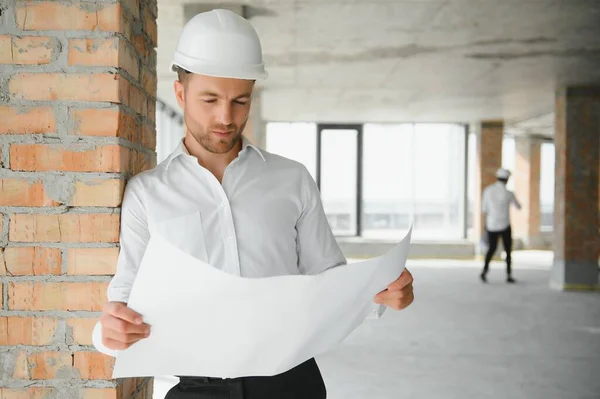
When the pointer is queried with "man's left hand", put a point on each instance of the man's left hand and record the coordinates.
(398, 294)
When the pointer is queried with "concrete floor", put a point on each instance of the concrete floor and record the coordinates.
(462, 339)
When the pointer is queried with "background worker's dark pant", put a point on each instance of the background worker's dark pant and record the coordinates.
(301, 382)
(493, 243)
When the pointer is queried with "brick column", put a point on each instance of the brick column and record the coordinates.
(487, 162)
(526, 222)
(576, 214)
(77, 99)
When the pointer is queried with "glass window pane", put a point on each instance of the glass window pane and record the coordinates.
(413, 172)
(508, 159)
(439, 164)
(387, 180)
(338, 179)
(297, 141)
(547, 187)
(472, 159)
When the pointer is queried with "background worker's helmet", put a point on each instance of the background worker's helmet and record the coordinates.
(503, 174)
(220, 43)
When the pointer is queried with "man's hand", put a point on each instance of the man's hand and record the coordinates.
(399, 294)
(121, 326)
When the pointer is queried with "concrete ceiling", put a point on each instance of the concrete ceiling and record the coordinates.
(420, 60)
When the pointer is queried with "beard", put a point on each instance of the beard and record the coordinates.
(211, 142)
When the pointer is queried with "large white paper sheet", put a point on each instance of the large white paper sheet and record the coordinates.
(209, 323)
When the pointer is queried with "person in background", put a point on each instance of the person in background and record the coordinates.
(496, 203)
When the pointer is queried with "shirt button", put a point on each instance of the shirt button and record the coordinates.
(223, 204)
(230, 240)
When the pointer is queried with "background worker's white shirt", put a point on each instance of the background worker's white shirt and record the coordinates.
(496, 205)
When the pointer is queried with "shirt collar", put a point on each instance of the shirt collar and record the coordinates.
(182, 150)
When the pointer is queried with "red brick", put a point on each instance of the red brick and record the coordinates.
(68, 227)
(99, 393)
(27, 330)
(26, 120)
(53, 157)
(52, 15)
(89, 296)
(17, 192)
(98, 192)
(92, 261)
(149, 137)
(94, 365)
(149, 81)
(94, 52)
(137, 100)
(28, 393)
(140, 44)
(81, 330)
(128, 387)
(4, 340)
(21, 369)
(133, 6)
(107, 122)
(33, 261)
(28, 50)
(67, 87)
(151, 110)
(103, 52)
(150, 27)
(140, 162)
(50, 365)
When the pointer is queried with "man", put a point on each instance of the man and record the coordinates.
(496, 203)
(226, 202)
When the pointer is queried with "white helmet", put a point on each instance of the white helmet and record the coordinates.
(220, 43)
(503, 173)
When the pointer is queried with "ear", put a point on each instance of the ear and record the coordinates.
(179, 93)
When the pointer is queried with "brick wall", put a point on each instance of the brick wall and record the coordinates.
(488, 160)
(576, 213)
(77, 106)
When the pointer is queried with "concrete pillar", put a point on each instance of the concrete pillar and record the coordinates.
(576, 216)
(77, 110)
(256, 127)
(526, 222)
(488, 160)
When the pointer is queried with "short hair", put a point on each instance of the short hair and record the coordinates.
(182, 74)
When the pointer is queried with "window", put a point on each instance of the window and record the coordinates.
(387, 180)
(547, 187)
(414, 172)
(339, 179)
(405, 173)
(509, 158)
(297, 141)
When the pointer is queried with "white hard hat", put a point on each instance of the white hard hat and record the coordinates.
(503, 173)
(220, 43)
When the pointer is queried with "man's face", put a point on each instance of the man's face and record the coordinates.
(215, 110)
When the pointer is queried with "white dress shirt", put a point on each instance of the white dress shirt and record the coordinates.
(265, 219)
(496, 205)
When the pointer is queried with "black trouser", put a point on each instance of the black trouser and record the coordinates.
(301, 382)
(493, 245)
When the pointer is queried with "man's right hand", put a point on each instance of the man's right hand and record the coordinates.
(121, 326)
